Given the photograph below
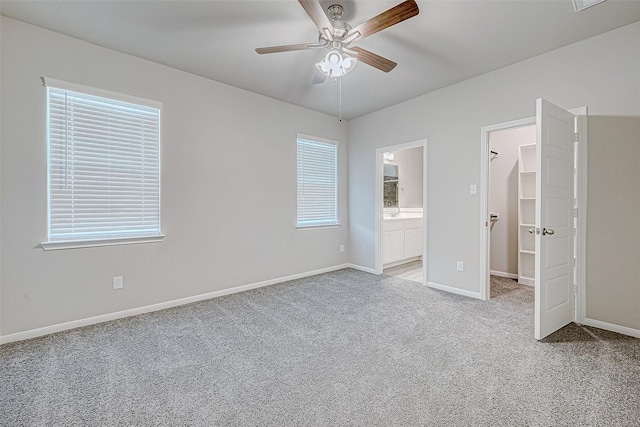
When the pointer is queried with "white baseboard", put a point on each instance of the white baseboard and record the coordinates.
(33, 333)
(527, 281)
(503, 274)
(361, 268)
(611, 327)
(453, 290)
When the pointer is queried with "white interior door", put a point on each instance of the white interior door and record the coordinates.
(554, 288)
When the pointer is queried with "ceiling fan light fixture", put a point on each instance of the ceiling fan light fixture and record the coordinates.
(336, 64)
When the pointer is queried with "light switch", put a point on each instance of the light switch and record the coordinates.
(473, 189)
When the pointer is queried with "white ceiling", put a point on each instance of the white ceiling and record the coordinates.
(449, 41)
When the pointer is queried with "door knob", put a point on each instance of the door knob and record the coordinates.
(532, 230)
(549, 231)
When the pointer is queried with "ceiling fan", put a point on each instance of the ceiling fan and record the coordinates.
(337, 36)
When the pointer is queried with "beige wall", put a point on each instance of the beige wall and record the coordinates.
(503, 196)
(225, 151)
(228, 188)
(613, 227)
(600, 72)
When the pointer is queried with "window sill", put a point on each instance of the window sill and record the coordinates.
(316, 227)
(52, 246)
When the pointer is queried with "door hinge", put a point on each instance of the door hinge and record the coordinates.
(575, 212)
(576, 137)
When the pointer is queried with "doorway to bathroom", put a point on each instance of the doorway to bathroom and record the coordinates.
(401, 200)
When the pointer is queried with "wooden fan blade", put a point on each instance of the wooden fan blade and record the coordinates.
(376, 61)
(317, 15)
(396, 14)
(285, 48)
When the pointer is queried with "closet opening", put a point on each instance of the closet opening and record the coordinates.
(549, 232)
(512, 204)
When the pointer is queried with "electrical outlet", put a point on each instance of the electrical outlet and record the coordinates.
(117, 282)
(341, 248)
(460, 266)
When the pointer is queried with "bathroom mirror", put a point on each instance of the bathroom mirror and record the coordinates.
(390, 185)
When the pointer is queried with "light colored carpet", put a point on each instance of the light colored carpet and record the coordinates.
(341, 349)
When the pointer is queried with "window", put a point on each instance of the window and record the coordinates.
(103, 158)
(317, 183)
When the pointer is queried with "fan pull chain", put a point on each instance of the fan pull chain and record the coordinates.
(340, 117)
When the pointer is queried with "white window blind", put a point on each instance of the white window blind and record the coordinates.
(103, 165)
(317, 183)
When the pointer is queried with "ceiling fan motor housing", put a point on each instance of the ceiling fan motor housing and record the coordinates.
(339, 29)
(335, 12)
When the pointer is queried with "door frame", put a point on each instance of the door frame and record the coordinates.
(581, 203)
(485, 169)
(379, 208)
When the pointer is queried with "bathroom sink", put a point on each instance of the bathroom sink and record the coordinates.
(401, 215)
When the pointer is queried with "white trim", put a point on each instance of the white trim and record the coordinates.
(33, 333)
(70, 231)
(317, 140)
(581, 195)
(317, 227)
(503, 274)
(581, 226)
(74, 87)
(52, 246)
(476, 295)
(527, 281)
(611, 327)
(378, 206)
(311, 138)
(361, 268)
(378, 212)
(485, 242)
(580, 5)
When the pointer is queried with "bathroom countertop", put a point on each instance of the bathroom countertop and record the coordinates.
(402, 216)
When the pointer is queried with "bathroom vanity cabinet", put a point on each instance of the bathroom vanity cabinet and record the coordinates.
(401, 240)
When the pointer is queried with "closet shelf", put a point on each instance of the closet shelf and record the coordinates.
(526, 213)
